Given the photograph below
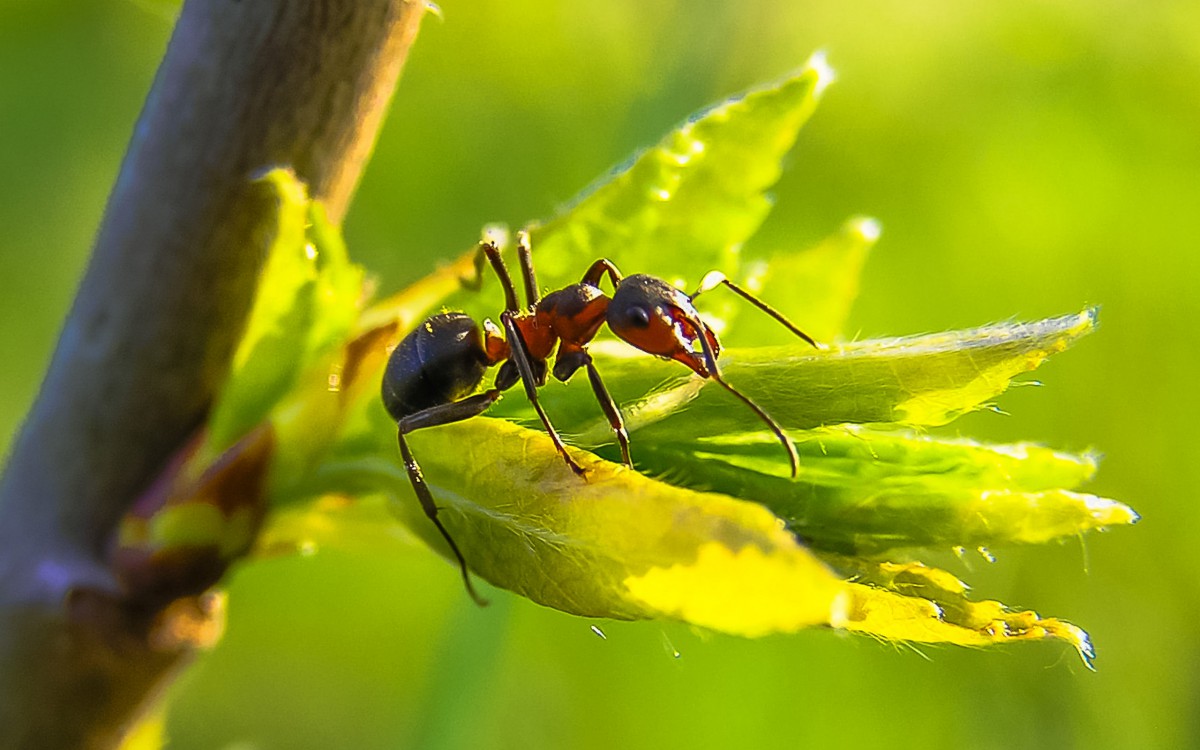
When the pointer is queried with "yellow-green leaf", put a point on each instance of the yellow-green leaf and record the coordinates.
(919, 380)
(916, 603)
(685, 206)
(813, 288)
(611, 544)
(864, 491)
(271, 351)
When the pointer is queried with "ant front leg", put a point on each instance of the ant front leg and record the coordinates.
(611, 411)
(489, 252)
(566, 365)
(519, 354)
(525, 255)
(474, 282)
(431, 417)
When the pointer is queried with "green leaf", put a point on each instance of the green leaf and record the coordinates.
(814, 289)
(167, 10)
(913, 602)
(866, 492)
(612, 544)
(308, 297)
(618, 544)
(270, 353)
(338, 290)
(685, 206)
(922, 381)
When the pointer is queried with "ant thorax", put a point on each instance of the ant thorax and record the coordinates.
(574, 313)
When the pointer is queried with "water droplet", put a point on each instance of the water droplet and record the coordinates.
(670, 647)
(986, 554)
(596, 629)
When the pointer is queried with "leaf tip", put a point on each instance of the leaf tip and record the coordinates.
(1074, 635)
(283, 180)
(818, 63)
(1071, 328)
(866, 229)
(1106, 512)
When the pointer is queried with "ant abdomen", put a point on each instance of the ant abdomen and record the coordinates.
(442, 361)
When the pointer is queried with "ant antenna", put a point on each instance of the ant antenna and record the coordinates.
(716, 278)
(793, 456)
(713, 372)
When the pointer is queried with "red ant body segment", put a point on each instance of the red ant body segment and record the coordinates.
(433, 374)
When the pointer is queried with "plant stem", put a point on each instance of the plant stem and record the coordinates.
(148, 341)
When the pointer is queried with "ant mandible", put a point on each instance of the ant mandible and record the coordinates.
(432, 375)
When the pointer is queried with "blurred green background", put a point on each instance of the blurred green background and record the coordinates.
(1024, 158)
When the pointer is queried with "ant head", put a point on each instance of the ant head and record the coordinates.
(659, 319)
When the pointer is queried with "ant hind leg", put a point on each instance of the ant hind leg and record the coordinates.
(423, 495)
(431, 417)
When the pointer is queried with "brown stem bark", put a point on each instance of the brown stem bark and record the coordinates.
(244, 85)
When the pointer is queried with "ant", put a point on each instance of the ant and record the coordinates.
(433, 373)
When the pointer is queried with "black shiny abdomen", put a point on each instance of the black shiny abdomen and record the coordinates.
(440, 362)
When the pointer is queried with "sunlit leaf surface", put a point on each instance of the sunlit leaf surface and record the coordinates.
(308, 299)
(685, 206)
(603, 545)
(920, 381)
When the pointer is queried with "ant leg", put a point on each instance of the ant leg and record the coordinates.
(597, 270)
(611, 411)
(525, 255)
(444, 414)
(716, 278)
(489, 251)
(474, 282)
(519, 354)
(423, 495)
(455, 411)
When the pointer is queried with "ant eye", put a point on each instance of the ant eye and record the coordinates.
(639, 317)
